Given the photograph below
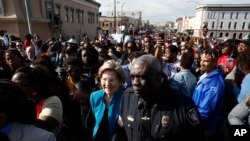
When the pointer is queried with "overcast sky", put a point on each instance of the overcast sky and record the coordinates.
(161, 11)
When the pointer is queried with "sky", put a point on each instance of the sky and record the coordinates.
(161, 11)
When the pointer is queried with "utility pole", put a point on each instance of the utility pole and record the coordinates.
(122, 15)
(114, 16)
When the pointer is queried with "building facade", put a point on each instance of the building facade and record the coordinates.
(124, 22)
(223, 20)
(135, 17)
(50, 18)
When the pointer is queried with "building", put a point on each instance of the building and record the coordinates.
(135, 17)
(125, 22)
(223, 20)
(107, 24)
(179, 24)
(50, 17)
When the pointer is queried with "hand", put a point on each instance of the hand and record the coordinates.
(248, 102)
(204, 31)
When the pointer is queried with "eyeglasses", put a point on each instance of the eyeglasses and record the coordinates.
(110, 80)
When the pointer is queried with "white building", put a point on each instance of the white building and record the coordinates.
(134, 16)
(223, 20)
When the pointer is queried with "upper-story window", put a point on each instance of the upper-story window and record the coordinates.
(82, 16)
(89, 17)
(1, 8)
(223, 15)
(214, 15)
(66, 18)
(72, 14)
(231, 15)
(237, 15)
(243, 25)
(235, 25)
(78, 16)
(97, 17)
(221, 24)
(212, 24)
(208, 13)
(245, 17)
(211, 15)
(58, 8)
(229, 25)
(48, 8)
(93, 18)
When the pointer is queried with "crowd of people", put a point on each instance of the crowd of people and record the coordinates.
(98, 90)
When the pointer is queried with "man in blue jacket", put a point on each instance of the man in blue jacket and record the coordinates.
(208, 95)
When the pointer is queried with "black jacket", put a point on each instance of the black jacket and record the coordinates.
(167, 116)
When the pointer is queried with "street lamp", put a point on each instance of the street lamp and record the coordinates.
(201, 5)
(122, 8)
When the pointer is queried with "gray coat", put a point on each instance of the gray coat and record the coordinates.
(240, 114)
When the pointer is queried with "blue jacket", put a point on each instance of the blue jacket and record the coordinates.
(208, 97)
(98, 107)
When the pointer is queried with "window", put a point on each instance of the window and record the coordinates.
(240, 35)
(223, 15)
(1, 8)
(243, 25)
(231, 15)
(97, 16)
(48, 7)
(226, 34)
(66, 9)
(229, 25)
(245, 17)
(103, 24)
(212, 24)
(249, 25)
(88, 17)
(111, 24)
(235, 25)
(221, 34)
(72, 14)
(58, 8)
(237, 15)
(82, 16)
(221, 24)
(57, 16)
(208, 15)
(107, 25)
(214, 15)
(77, 15)
(234, 35)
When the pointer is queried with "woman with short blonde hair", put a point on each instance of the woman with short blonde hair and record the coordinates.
(105, 103)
